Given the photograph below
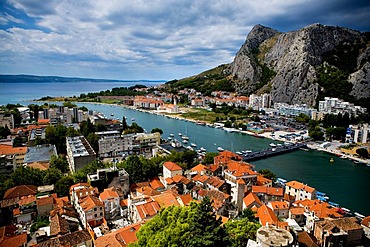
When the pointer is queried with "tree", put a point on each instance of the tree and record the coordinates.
(209, 158)
(249, 214)
(59, 162)
(362, 152)
(194, 225)
(160, 131)
(26, 175)
(134, 167)
(240, 231)
(52, 175)
(86, 127)
(267, 174)
(4, 132)
(62, 186)
(302, 118)
(124, 123)
(93, 139)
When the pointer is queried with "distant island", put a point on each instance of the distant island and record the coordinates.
(49, 79)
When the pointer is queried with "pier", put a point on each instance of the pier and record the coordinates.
(269, 152)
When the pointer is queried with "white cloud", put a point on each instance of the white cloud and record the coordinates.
(139, 34)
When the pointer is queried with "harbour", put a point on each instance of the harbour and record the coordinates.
(345, 182)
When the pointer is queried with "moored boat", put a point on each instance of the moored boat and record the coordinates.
(220, 149)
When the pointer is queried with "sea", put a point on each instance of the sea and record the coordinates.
(345, 182)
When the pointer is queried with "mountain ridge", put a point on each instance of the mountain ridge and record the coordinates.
(24, 78)
(301, 66)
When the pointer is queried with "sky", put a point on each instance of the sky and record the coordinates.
(155, 39)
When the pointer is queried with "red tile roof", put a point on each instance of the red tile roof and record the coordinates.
(156, 184)
(297, 210)
(179, 178)
(262, 180)
(45, 201)
(300, 186)
(119, 238)
(166, 199)
(172, 166)
(199, 168)
(366, 221)
(90, 202)
(279, 205)
(251, 199)
(19, 191)
(148, 191)
(148, 209)
(216, 182)
(186, 199)
(239, 169)
(108, 193)
(272, 191)
(7, 149)
(27, 200)
(200, 178)
(266, 215)
(321, 209)
(14, 241)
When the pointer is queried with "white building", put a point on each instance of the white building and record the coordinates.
(300, 191)
(171, 169)
(79, 152)
(258, 102)
(335, 106)
(111, 201)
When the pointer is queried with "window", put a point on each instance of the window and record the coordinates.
(94, 209)
(95, 215)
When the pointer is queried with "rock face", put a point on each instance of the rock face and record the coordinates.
(295, 57)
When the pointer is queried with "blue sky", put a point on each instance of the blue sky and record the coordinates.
(157, 39)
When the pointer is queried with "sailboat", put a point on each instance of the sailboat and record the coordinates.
(185, 137)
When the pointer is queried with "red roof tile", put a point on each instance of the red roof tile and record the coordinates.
(108, 193)
(19, 191)
(300, 186)
(250, 199)
(156, 184)
(172, 166)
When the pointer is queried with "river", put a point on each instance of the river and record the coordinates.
(345, 182)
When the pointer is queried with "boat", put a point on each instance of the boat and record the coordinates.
(172, 135)
(220, 149)
(169, 138)
(185, 141)
(331, 160)
(281, 180)
(358, 215)
(247, 151)
(203, 149)
(272, 145)
(112, 114)
(258, 136)
(200, 123)
(240, 153)
(133, 119)
(185, 137)
(336, 205)
(193, 144)
(179, 134)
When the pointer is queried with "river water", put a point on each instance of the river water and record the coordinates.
(344, 182)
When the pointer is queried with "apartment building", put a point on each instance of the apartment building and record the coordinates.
(79, 152)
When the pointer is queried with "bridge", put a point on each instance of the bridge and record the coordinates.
(268, 152)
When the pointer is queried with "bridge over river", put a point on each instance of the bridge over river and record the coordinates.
(273, 151)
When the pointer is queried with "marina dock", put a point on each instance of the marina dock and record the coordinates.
(269, 152)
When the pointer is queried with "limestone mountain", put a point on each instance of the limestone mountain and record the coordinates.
(300, 66)
(296, 67)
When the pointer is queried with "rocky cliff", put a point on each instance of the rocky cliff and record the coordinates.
(296, 67)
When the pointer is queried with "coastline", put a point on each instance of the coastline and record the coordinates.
(311, 145)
